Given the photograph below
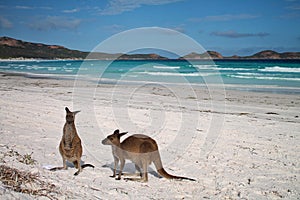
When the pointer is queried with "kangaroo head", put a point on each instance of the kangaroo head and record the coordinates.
(113, 139)
(70, 116)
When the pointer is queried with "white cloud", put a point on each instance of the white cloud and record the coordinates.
(180, 28)
(55, 22)
(71, 11)
(24, 7)
(115, 7)
(115, 28)
(234, 34)
(5, 23)
(32, 7)
(227, 17)
(294, 7)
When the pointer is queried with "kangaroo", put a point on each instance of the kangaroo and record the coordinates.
(142, 150)
(70, 145)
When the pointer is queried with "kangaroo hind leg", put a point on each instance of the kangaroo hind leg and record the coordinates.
(77, 166)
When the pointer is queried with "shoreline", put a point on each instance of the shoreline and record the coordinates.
(271, 89)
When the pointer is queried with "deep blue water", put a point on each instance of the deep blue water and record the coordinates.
(255, 74)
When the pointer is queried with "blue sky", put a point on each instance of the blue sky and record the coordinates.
(230, 27)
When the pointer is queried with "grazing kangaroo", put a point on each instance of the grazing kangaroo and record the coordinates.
(142, 150)
(70, 145)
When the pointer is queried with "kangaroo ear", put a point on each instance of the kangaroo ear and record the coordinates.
(121, 134)
(75, 112)
(67, 110)
(117, 132)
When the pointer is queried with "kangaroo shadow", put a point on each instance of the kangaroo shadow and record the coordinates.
(71, 165)
(130, 168)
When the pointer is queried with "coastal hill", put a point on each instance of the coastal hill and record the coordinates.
(274, 55)
(206, 55)
(263, 55)
(11, 48)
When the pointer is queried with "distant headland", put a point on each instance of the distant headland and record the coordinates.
(11, 48)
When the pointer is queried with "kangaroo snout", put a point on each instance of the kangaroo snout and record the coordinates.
(106, 142)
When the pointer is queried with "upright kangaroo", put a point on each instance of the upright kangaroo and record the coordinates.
(70, 145)
(141, 150)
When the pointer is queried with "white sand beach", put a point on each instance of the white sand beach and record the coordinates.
(241, 145)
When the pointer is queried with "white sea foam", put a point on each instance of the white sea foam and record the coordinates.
(264, 78)
(4, 67)
(234, 69)
(210, 67)
(166, 67)
(216, 67)
(83, 68)
(68, 70)
(249, 74)
(177, 74)
(280, 69)
(240, 76)
(35, 67)
(52, 68)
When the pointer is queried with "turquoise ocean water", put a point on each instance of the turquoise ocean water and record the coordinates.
(264, 75)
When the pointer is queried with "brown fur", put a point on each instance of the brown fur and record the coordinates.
(70, 147)
(141, 150)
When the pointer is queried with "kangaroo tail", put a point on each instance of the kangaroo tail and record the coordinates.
(56, 168)
(158, 164)
(87, 165)
(165, 174)
(83, 166)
